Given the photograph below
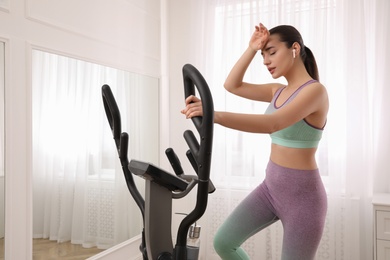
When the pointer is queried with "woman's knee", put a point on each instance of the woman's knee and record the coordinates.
(220, 244)
(228, 249)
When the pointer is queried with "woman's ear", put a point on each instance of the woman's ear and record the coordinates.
(296, 48)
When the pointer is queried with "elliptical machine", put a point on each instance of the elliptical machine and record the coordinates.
(161, 186)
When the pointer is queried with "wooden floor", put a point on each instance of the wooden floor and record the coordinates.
(44, 249)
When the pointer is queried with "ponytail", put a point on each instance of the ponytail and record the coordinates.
(310, 63)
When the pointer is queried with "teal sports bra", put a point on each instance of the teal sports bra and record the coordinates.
(298, 135)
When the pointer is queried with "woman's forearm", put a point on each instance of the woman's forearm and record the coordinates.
(236, 75)
(252, 123)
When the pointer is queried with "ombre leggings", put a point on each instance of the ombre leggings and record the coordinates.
(296, 197)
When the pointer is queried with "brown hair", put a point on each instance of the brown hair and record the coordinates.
(288, 34)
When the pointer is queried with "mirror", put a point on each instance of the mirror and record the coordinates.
(80, 198)
(2, 148)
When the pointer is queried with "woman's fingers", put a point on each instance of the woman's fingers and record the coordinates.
(259, 37)
(191, 99)
(193, 107)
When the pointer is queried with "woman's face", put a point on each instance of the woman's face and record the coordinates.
(277, 57)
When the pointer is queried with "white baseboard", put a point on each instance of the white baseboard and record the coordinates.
(128, 250)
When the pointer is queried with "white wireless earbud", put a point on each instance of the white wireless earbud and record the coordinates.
(294, 53)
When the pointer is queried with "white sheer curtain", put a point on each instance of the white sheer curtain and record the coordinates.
(79, 188)
(349, 40)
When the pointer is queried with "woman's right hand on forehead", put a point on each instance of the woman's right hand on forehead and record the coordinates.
(259, 37)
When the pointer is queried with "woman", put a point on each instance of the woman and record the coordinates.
(292, 190)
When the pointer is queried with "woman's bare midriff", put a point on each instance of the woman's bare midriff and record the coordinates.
(295, 158)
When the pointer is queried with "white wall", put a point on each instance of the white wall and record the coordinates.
(117, 33)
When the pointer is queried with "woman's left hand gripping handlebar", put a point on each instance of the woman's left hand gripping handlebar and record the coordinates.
(193, 107)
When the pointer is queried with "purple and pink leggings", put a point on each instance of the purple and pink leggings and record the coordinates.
(295, 197)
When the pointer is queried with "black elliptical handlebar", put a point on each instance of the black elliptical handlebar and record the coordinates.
(201, 152)
(121, 142)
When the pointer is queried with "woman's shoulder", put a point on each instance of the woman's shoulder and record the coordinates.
(316, 87)
(317, 93)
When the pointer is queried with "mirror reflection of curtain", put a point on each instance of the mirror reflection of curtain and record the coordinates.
(79, 189)
(348, 39)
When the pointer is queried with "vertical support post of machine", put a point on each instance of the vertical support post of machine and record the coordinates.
(158, 210)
